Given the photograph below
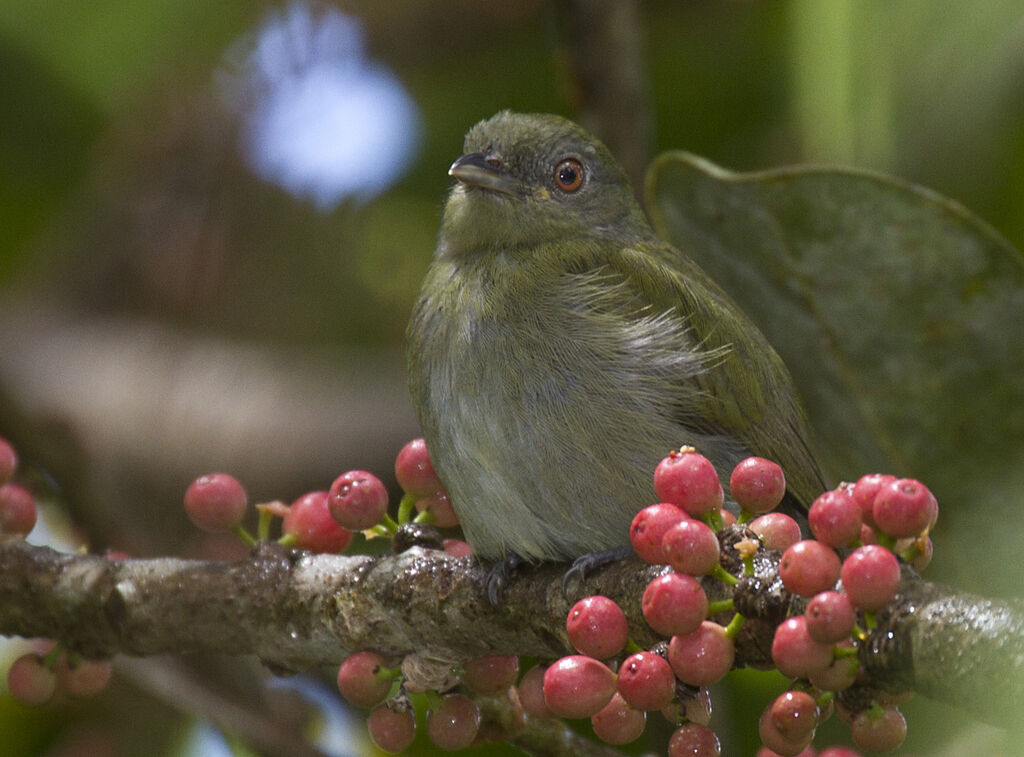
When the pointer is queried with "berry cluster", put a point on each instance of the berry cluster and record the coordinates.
(868, 520)
(17, 505)
(326, 521)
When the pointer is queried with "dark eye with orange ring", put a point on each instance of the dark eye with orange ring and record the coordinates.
(569, 175)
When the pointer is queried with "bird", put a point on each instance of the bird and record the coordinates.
(558, 349)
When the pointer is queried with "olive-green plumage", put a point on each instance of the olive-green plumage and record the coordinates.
(559, 349)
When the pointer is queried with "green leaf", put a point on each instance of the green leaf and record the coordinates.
(899, 314)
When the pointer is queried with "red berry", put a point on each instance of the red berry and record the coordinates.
(8, 461)
(578, 686)
(871, 576)
(694, 740)
(392, 727)
(414, 471)
(363, 680)
(830, 617)
(617, 722)
(688, 479)
(83, 678)
(834, 518)
(17, 510)
(879, 729)
(531, 693)
(795, 714)
(457, 548)
(691, 547)
(648, 529)
(455, 722)
(597, 627)
(310, 524)
(809, 567)
(865, 491)
(491, 674)
(757, 485)
(702, 657)
(795, 653)
(841, 674)
(215, 502)
(30, 681)
(440, 506)
(646, 681)
(357, 500)
(674, 604)
(772, 738)
(777, 531)
(903, 507)
(838, 751)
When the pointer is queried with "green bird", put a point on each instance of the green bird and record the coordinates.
(559, 349)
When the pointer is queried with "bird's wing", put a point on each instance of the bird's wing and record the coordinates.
(749, 393)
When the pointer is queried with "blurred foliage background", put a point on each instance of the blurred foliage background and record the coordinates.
(165, 310)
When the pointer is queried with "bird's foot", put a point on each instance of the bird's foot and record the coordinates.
(591, 561)
(498, 577)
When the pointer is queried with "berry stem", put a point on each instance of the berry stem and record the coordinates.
(632, 647)
(721, 605)
(841, 652)
(406, 506)
(244, 535)
(424, 517)
(263, 524)
(733, 629)
(723, 575)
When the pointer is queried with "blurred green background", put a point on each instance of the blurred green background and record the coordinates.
(165, 312)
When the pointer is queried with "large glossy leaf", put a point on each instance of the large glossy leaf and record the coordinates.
(900, 315)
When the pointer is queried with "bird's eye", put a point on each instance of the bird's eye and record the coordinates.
(569, 175)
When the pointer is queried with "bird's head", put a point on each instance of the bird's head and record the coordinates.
(527, 178)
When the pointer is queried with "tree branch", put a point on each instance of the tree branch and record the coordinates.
(295, 611)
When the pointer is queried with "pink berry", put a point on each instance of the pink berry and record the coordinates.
(838, 751)
(310, 524)
(795, 653)
(795, 714)
(216, 502)
(82, 678)
(834, 518)
(440, 506)
(871, 576)
(8, 461)
(363, 679)
(17, 510)
(809, 567)
(414, 470)
(702, 657)
(674, 604)
(691, 547)
(830, 617)
(578, 686)
(903, 507)
(879, 729)
(597, 627)
(694, 740)
(841, 674)
(688, 479)
(865, 491)
(457, 548)
(531, 693)
(491, 674)
(772, 738)
(728, 519)
(357, 500)
(646, 681)
(391, 727)
(648, 529)
(617, 722)
(30, 681)
(777, 531)
(455, 722)
(757, 485)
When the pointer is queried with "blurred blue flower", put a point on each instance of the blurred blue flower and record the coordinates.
(318, 118)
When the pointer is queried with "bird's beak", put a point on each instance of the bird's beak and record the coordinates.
(476, 169)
